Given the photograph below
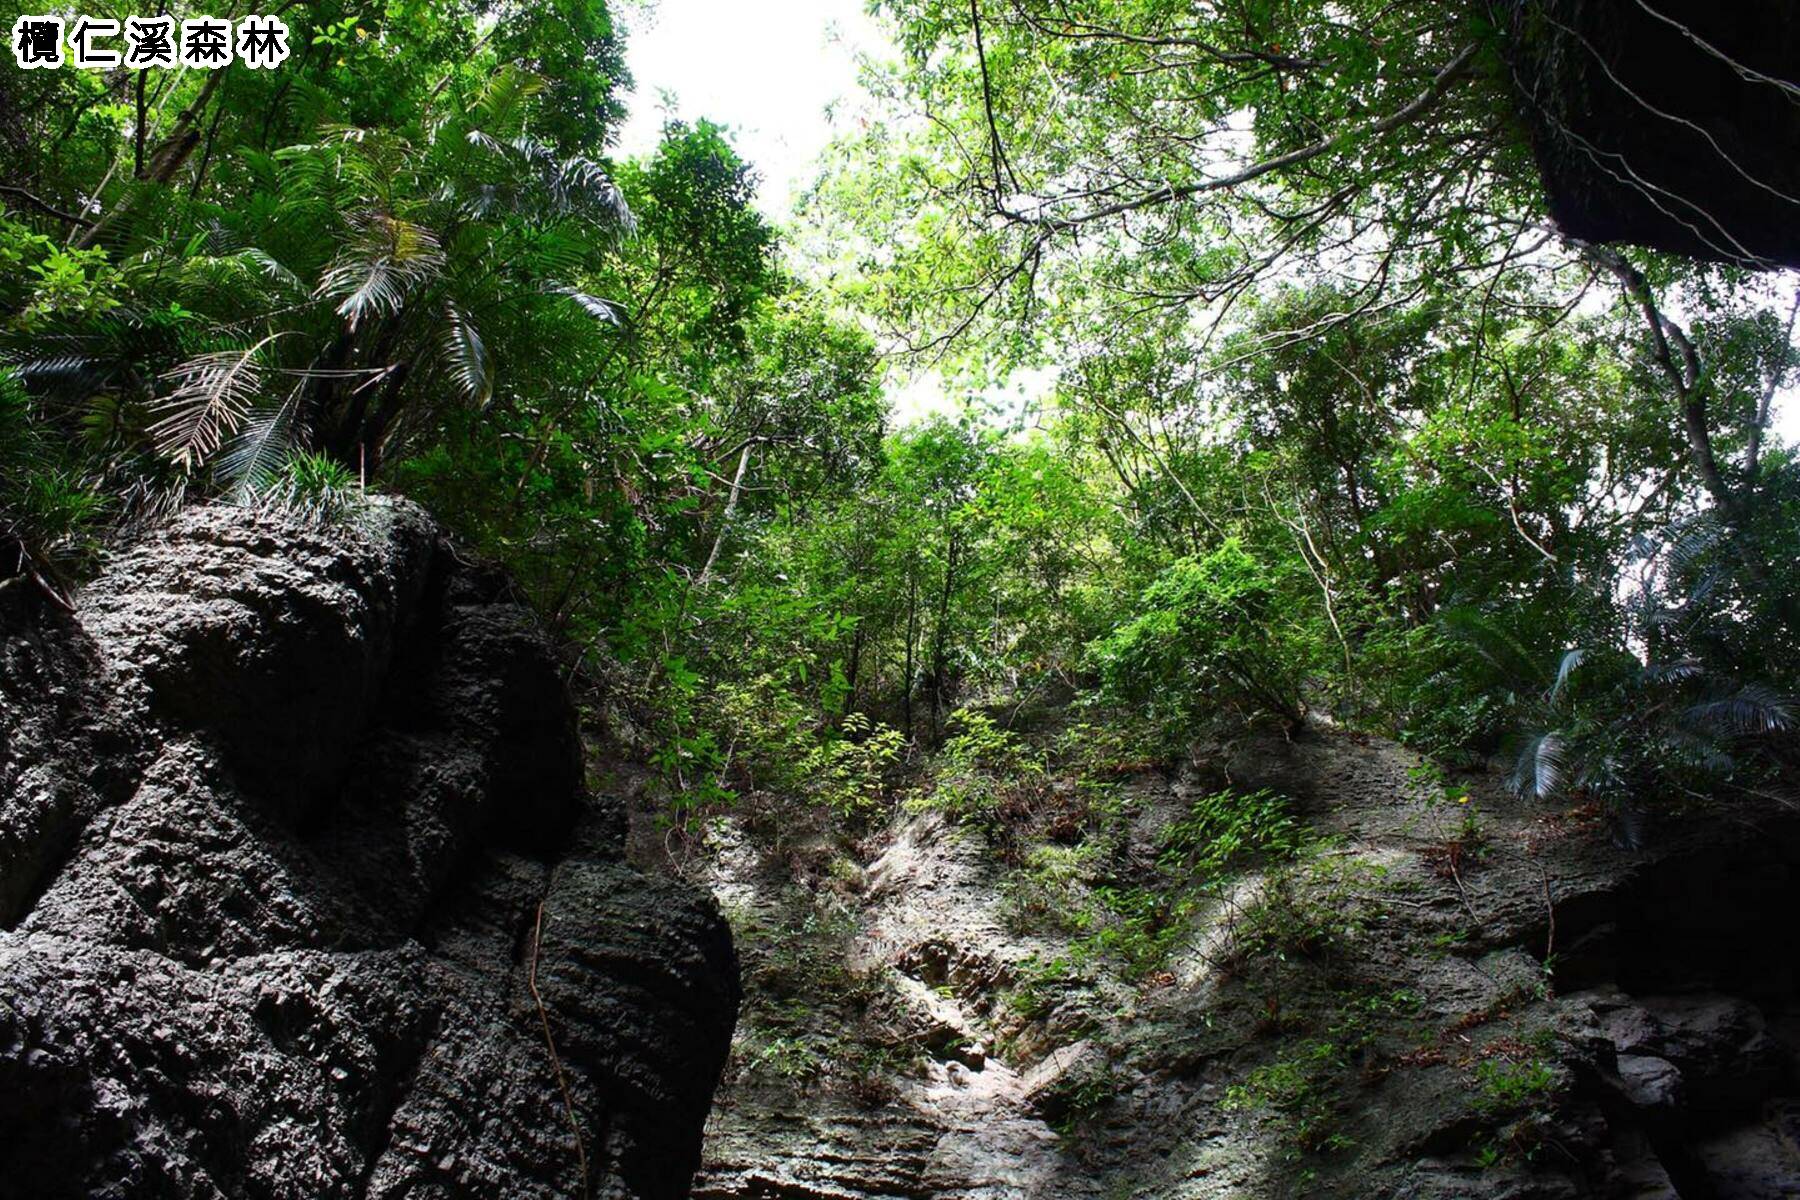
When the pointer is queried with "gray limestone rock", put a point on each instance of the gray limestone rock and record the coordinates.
(299, 882)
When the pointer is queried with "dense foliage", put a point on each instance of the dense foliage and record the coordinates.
(1336, 424)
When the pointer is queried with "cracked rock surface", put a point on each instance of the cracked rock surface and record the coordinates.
(1451, 1044)
(293, 842)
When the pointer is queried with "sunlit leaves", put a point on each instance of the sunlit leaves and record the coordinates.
(385, 261)
(209, 396)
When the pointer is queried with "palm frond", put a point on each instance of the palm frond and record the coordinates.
(598, 307)
(1693, 539)
(1491, 641)
(211, 396)
(1679, 670)
(253, 459)
(1752, 709)
(246, 280)
(502, 103)
(583, 183)
(375, 273)
(1570, 660)
(530, 150)
(1541, 767)
(482, 140)
(271, 268)
(483, 199)
(62, 373)
(466, 357)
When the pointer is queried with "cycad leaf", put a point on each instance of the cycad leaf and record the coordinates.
(1539, 771)
(212, 393)
(466, 357)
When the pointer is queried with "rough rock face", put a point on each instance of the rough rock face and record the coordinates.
(1510, 1006)
(1666, 123)
(298, 874)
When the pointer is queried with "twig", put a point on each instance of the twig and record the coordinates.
(1550, 937)
(43, 206)
(562, 1080)
(1456, 878)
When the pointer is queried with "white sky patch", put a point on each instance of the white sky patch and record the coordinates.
(772, 73)
(768, 71)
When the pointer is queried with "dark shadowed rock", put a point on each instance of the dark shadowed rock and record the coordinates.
(297, 875)
(1669, 124)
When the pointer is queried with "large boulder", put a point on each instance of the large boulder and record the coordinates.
(301, 893)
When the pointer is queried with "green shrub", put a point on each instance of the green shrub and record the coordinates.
(1207, 631)
(1511, 1086)
(1227, 827)
(847, 771)
(317, 487)
(980, 768)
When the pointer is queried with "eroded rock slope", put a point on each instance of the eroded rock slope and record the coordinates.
(298, 874)
(1446, 994)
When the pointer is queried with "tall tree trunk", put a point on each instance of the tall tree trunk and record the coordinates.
(731, 503)
(940, 633)
(1680, 362)
(912, 635)
(164, 161)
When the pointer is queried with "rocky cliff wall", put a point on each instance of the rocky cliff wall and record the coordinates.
(1448, 994)
(1666, 123)
(299, 880)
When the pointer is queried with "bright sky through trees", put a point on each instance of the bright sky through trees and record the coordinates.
(773, 73)
(769, 71)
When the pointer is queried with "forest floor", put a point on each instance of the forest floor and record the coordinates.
(1401, 983)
